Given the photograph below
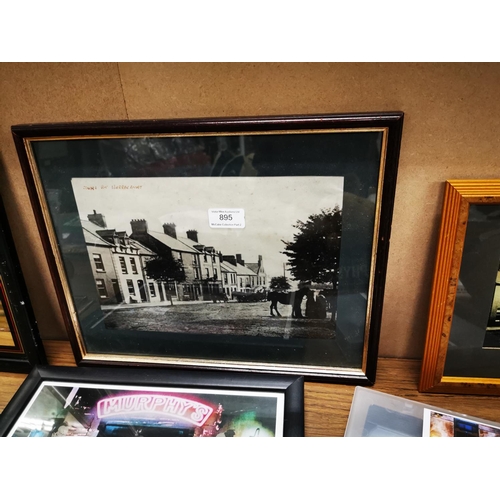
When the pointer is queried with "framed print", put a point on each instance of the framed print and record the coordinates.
(462, 351)
(20, 343)
(248, 244)
(148, 402)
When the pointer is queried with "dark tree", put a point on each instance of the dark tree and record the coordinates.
(314, 253)
(164, 267)
(279, 283)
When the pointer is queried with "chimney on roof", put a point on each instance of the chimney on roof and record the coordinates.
(139, 226)
(97, 219)
(259, 261)
(239, 260)
(169, 229)
(192, 234)
(230, 258)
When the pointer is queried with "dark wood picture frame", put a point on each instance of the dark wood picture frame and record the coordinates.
(23, 347)
(134, 382)
(359, 151)
(461, 352)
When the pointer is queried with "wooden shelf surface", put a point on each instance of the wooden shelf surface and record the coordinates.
(326, 406)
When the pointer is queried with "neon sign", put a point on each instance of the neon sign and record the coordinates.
(184, 409)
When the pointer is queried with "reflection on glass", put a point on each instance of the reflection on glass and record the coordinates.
(474, 344)
(218, 238)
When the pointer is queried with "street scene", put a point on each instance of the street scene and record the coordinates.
(160, 263)
(91, 410)
(220, 318)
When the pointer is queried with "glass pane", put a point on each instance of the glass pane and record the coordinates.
(474, 337)
(291, 286)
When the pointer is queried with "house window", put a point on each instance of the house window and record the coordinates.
(215, 273)
(208, 273)
(123, 265)
(133, 265)
(130, 285)
(99, 264)
(101, 288)
(196, 274)
(152, 290)
(225, 278)
(204, 257)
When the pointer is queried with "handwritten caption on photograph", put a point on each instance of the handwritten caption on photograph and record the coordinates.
(122, 187)
(224, 218)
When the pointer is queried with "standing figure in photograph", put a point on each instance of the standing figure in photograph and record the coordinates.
(288, 298)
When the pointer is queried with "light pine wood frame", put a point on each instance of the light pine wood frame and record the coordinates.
(459, 195)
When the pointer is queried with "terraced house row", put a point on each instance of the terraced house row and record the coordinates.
(118, 261)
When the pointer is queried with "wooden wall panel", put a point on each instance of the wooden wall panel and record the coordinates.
(451, 131)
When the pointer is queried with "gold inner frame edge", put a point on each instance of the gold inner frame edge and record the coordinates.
(62, 275)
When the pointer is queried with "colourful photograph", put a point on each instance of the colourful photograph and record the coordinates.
(94, 410)
(438, 424)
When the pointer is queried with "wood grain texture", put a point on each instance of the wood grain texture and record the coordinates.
(9, 384)
(326, 406)
(477, 190)
(444, 288)
(459, 195)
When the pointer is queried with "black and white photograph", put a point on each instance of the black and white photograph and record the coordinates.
(258, 243)
(159, 263)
